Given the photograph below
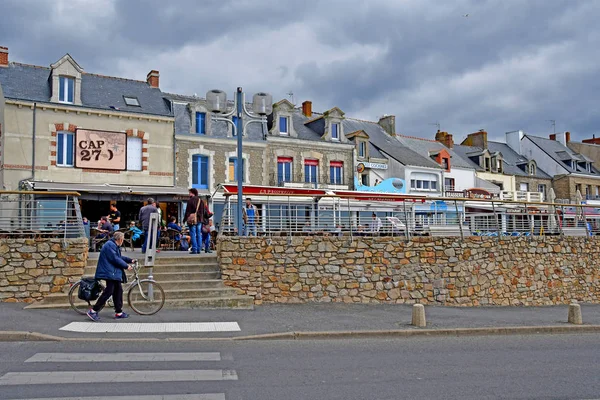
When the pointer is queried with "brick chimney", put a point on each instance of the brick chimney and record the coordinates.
(562, 137)
(3, 56)
(152, 78)
(307, 108)
(388, 123)
(593, 140)
(444, 138)
(477, 139)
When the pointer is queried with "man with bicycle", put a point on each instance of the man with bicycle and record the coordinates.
(111, 268)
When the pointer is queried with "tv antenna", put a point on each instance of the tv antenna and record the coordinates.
(436, 123)
(553, 121)
(291, 96)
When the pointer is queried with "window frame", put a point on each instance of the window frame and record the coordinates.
(309, 168)
(235, 161)
(65, 89)
(333, 168)
(362, 145)
(65, 150)
(200, 128)
(287, 125)
(284, 161)
(134, 98)
(335, 125)
(129, 152)
(198, 159)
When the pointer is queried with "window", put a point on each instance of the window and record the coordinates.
(364, 179)
(423, 185)
(362, 149)
(487, 163)
(283, 125)
(542, 190)
(200, 172)
(66, 89)
(233, 172)
(131, 101)
(284, 169)
(433, 185)
(531, 169)
(335, 131)
(64, 149)
(311, 168)
(335, 172)
(449, 183)
(134, 153)
(524, 187)
(446, 163)
(201, 123)
(235, 120)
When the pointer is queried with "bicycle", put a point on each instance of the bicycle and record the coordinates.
(144, 296)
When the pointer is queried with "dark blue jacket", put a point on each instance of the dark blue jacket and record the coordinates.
(111, 263)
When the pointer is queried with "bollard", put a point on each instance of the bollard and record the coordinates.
(575, 314)
(418, 316)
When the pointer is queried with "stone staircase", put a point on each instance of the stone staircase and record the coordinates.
(188, 282)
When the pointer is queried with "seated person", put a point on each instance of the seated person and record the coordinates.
(105, 229)
(181, 237)
(136, 233)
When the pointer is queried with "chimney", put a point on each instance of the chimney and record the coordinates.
(388, 123)
(3, 56)
(444, 138)
(477, 139)
(593, 140)
(307, 108)
(152, 78)
(562, 137)
(513, 140)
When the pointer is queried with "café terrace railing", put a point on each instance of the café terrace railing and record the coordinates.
(37, 214)
(415, 216)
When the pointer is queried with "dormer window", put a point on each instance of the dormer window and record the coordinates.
(66, 89)
(445, 163)
(362, 149)
(335, 131)
(487, 163)
(283, 126)
(131, 101)
(532, 169)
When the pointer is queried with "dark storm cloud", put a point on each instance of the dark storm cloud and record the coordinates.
(509, 65)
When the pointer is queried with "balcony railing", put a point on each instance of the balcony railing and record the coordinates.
(522, 196)
(298, 181)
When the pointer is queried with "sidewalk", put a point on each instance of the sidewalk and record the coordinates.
(289, 320)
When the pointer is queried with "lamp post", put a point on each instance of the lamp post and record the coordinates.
(262, 105)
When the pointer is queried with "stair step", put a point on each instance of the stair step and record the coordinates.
(239, 302)
(90, 271)
(225, 291)
(193, 284)
(189, 260)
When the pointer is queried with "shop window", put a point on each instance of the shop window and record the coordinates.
(134, 153)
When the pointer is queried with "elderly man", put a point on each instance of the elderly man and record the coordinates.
(111, 268)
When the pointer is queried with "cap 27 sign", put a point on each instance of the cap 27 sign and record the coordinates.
(100, 149)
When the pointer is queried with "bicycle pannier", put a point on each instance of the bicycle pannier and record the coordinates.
(89, 289)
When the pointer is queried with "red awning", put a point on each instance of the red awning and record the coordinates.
(284, 159)
(311, 162)
(336, 164)
(272, 191)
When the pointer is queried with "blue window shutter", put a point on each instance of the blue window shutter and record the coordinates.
(61, 88)
(194, 171)
(283, 124)
(59, 149)
(70, 89)
(201, 123)
(69, 149)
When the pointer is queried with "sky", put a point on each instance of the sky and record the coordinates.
(466, 65)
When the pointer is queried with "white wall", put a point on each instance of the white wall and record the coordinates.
(463, 178)
(412, 172)
(543, 160)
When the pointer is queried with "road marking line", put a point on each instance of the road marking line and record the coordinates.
(65, 377)
(206, 396)
(124, 327)
(123, 357)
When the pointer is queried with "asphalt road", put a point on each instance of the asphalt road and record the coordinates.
(490, 367)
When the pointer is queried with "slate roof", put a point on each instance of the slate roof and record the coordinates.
(389, 144)
(558, 152)
(511, 159)
(427, 147)
(33, 83)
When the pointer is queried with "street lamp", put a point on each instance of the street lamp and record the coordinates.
(262, 105)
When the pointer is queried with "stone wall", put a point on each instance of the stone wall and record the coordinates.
(33, 268)
(443, 271)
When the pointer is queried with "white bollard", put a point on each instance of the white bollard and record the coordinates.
(575, 314)
(418, 316)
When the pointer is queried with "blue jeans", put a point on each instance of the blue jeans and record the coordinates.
(206, 240)
(250, 229)
(195, 237)
(146, 240)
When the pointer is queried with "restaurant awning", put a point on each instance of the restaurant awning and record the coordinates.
(110, 191)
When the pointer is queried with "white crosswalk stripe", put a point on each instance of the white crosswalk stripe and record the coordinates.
(122, 375)
(151, 327)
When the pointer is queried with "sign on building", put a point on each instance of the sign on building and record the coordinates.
(360, 167)
(100, 149)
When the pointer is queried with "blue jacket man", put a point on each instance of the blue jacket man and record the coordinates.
(111, 268)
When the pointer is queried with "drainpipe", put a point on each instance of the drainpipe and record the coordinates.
(33, 131)
(174, 147)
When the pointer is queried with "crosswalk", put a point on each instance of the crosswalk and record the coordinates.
(61, 370)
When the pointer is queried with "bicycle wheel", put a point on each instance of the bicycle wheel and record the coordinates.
(147, 297)
(80, 306)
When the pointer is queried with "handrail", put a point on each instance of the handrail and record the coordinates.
(42, 192)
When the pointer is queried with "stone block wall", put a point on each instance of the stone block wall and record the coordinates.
(33, 268)
(443, 271)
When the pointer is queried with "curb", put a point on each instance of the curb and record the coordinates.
(23, 336)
